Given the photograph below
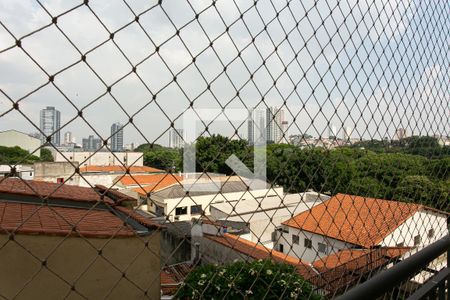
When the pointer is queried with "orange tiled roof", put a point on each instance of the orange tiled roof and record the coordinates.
(150, 183)
(55, 220)
(119, 169)
(22, 211)
(257, 251)
(354, 219)
(50, 190)
(354, 255)
(347, 267)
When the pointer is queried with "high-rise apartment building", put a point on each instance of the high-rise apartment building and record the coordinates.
(347, 133)
(69, 139)
(332, 132)
(91, 143)
(256, 125)
(266, 125)
(50, 123)
(276, 125)
(176, 138)
(117, 137)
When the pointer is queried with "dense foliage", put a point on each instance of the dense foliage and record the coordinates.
(16, 155)
(415, 169)
(160, 157)
(261, 279)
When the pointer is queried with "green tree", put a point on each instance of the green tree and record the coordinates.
(420, 189)
(46, 155)
(263, 279)
(16, 155)
(212, 152)
(163, 158)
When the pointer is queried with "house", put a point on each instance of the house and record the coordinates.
(261, 216)
(355, 222)
(67, 241)
(21, 171)
(13, 138)
(330, 275)
(190, 198)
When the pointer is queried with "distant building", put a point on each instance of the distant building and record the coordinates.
(100, 158)
(117, 137)
(400, 134)
(12, 138)
(91, 143)
(176, 138)
(50, 124)
(69, 139)
(347, 134)
(332, 132)
(256, 125)
(275, 124)
(74, 216)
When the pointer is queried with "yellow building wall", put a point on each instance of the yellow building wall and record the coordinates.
(75, 261)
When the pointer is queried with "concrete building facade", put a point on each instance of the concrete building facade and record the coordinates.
(13, 138)
(88, 158)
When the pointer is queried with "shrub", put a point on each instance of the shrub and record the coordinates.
(262, 279)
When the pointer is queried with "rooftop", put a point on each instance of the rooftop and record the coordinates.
(230, 185)
(258, 251)
(354, 219)
(346, 267)
(148, 179)
(48, 190)
(71, 210)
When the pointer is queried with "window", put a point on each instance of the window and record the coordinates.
(431, 233)
(60, 180)
(281, 248)
(307, 243)
(196, 209)
(417, 240)
(181, 211)
(31, 173)
(295, 239)
(274, 236)
(322, 248)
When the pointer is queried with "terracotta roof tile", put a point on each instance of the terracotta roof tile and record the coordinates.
(257, 251)
(22, 214)
(50, 190)
(151, 183)
(347, 267)
(354, 219)
(53, 220)
(119, 169)
(172, 276)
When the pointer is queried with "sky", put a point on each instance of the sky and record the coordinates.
(373, 66)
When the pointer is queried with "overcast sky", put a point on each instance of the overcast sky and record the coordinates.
(370, 65)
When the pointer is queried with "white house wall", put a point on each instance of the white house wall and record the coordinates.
(307, 254)
(419, 224)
